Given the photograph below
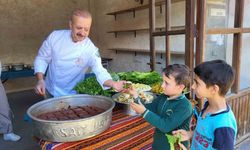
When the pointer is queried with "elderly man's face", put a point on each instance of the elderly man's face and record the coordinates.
(80, 28)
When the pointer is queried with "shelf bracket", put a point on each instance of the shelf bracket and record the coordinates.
(115, 16)
(161, 9)
(135, 33)
(134, 13)
(161, 56)
(115, 34)
(135, 53)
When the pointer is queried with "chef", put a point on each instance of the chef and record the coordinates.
(66, 55)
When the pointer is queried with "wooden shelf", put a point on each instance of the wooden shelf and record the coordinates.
(158, 29)
(135, 8)
(140, 8)
(179, 53)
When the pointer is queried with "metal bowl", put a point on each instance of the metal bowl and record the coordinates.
(71, 130)
(18, 66)
(6, 67)
(124, 106)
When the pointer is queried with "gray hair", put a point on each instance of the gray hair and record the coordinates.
(81, 13)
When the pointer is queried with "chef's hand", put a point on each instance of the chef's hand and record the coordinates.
(138, 108)
(118, 85)
(40, 88)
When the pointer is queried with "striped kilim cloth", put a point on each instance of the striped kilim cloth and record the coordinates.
(126, 132)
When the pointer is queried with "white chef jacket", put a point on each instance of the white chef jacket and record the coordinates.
(67, 62)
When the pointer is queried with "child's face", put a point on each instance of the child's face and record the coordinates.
(170, 87)
(200, 88)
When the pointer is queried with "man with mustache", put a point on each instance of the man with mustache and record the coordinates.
(66, 55)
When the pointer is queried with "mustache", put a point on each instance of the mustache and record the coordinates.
(79, 34)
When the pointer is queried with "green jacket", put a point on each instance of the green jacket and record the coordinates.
(166, 116)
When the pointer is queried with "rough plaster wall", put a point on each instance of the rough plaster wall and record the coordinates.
(25, 24)
(128, 61)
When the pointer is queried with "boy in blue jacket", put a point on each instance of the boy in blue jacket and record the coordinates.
(216, 126)
(169, 111)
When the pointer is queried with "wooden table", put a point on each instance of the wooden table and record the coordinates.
(125, 132)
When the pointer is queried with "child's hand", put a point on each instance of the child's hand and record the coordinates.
(185, 135)
(182, 146)
(128, 88)
(138, 108)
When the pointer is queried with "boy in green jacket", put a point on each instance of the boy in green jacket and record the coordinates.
(169, 111)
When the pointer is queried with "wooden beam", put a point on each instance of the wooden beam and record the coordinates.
(237, 43)
(224, 30)
(177, 53)
(151, 30)
(167, 25)
(173, 32)
(189, 39)
(160, 3)
(246, 30)
(147, 29)
(228, 30)
(201, 28)
(131, 9)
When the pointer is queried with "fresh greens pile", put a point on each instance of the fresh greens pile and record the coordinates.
(173, 139)
(148, 78)
(92, 87)
(115, 76)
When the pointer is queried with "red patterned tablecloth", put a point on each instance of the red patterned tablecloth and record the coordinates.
(125, 132)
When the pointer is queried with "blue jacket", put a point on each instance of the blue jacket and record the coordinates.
(215, 131)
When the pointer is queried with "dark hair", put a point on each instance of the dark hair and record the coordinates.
(180, 72)
(216, 72)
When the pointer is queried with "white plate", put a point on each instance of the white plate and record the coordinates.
(148, 95)
(141, 87)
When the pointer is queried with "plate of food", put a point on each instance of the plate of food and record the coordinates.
(139, 87)
(126, 98)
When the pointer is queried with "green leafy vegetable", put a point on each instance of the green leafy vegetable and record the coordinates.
(173, 139)
(92, 87)
(115, 76)
(148, 78)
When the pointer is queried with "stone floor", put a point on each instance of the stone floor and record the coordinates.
(20, 102)
(244, 145)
